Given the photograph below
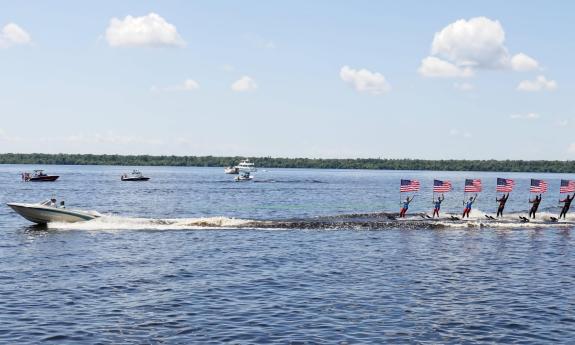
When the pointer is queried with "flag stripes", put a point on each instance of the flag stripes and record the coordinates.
(409, 186)
(472, 186)
(441, 186)
(538, 186)
(504, 185)
(567, 186)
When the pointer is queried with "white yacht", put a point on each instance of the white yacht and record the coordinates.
(246, 165)
(48, 211)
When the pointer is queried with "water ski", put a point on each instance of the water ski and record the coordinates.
(523, 219)
(553, 219)
(489, 217)
(390, 217)
(454, 218)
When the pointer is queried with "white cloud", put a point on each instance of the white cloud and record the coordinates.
(539, 84)
(150, 30)
(12, 35)
(571, 148)
(522, 62)
(475, 42)
(464, 46)
(190, 84)
(244, 84)
(464, 86)
(364, 80)
(528, 116)
(432, 66)
(562, 123)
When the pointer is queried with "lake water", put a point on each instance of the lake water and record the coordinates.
(193, 257)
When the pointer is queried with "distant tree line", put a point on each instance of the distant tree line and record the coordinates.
(269, 162)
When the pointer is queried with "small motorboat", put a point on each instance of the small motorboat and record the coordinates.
(38, 176)
(48, 212)
(244, 176)
(232, 170)
(135, 175)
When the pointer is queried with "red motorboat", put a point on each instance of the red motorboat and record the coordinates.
(38, 176)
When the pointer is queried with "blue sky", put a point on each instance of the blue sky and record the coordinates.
(410, 79)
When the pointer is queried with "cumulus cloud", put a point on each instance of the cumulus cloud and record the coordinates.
(522, 62)
(364, 80)
(539, 84)
(12, 35)
(475, 42)
(527, 116)
(432, 66)
(244, 84)
(187, 85)
(468, 45)
(151, 30)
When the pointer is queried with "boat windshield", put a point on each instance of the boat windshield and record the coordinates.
(48, 202)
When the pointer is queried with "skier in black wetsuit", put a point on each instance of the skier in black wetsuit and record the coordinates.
(502, 202)
(535, 206)
(566, 205)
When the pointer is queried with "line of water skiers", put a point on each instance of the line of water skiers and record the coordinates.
(468, 204)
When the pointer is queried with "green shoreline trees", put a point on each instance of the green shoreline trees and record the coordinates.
(269, 162)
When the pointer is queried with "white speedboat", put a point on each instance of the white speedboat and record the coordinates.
(246, 165)
(244, 176)
(135, 175)
(48, 212)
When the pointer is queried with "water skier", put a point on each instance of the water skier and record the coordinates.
(405, 206)
(468, 206)
(535, 206)
(502, 202)
(566, 205)
(437, 205)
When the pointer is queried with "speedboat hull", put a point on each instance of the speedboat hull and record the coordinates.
(135, 178)
(43, 178)
(41, 214)
(243, 179)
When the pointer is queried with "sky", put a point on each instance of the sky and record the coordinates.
(318, 79)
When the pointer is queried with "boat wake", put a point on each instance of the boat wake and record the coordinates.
(127, 223)
(357, 221)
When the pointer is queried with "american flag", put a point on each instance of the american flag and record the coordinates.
(504, 185)
(538, 186)
(567, 186)
(409, 186)
(472, 186)
(441, 186)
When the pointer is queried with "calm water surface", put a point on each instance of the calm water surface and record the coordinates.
(133, 279)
